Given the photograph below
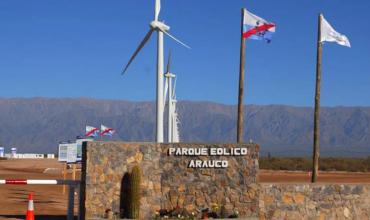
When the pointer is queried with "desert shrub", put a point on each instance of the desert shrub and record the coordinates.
(325, 164)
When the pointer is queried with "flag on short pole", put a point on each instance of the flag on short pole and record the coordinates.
(91, 131)
(257, 28)
(106, 131)
(330, 35)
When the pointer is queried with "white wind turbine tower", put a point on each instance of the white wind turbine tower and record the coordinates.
(161, 29)
(170, 86)
(175, 120)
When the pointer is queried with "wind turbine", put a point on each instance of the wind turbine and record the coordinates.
(175, 120)
(173, 133)
(161, 29)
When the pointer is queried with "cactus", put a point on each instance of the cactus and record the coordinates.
(135, 181)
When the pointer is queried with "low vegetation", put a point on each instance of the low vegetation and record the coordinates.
(325, 164)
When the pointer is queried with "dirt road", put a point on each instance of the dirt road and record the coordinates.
(48, 199)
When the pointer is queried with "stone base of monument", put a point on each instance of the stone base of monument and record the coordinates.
(190, 177)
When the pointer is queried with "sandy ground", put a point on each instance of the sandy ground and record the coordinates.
(270, 176)
(49, 200)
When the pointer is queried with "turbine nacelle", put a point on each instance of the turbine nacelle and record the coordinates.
(169, 75)
(159, 25)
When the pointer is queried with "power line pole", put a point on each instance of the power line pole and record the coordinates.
(316, 132)
(240, 123)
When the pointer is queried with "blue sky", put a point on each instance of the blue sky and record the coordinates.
(78, 49)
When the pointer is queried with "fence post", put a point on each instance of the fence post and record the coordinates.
(79, 202)
(71, 202)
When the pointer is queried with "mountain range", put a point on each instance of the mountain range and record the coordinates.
(37, 124)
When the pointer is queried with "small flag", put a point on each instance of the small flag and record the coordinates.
(257, 28)
(105, 131)
(330, 35)
(91, 131)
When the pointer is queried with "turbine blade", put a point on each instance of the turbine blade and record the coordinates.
(157, 9)
(143, 42)
(174, 88)
(169, 62)
(174, 38)
(165, 91)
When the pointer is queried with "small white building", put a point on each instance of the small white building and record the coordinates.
(13, 151)
(2, 151)
(30, 156)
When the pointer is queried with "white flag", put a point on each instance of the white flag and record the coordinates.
(330, 35)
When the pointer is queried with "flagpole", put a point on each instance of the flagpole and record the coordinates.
(240, 123)
(101, 136)
(85, 127)
(316, 132)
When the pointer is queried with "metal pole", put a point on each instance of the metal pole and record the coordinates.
(65, 166)
(316, 132)
(170, 140)
(74, 171)
(79, 202)
(240, 123)
(159, 131)
(71, 202)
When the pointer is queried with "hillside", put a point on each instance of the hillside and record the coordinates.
(37, 124)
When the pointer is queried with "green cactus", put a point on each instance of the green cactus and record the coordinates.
(135, 181)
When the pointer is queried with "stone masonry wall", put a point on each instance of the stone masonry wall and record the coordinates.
(314, 201)
(233, 188)
(107, 163)
(167, 182)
